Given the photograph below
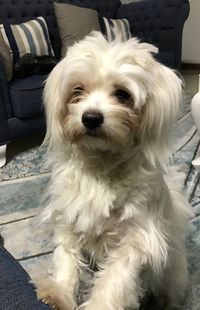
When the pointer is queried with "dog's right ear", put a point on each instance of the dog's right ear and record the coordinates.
(161, 110)
(53, 104)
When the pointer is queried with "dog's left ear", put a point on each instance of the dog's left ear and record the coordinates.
(161, 109)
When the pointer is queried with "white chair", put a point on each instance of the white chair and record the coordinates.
(195, 108)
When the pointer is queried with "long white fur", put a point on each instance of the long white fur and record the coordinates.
(111, 198)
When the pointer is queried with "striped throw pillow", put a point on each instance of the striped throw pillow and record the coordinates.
(30, 37)
(112, 27)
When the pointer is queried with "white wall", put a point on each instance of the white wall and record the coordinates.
(191, 35)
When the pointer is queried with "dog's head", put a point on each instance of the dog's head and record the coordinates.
(111, 96)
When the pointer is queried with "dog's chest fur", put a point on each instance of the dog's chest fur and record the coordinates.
(98, 204)
(97, 211)
(95, 200)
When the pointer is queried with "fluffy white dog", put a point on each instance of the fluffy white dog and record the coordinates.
(110, 108)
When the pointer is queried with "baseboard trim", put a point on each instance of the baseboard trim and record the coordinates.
(191, 66)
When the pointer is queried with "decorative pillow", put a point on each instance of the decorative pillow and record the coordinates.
(6, 58)
(74, 23)
(112, 27)
(30, 37)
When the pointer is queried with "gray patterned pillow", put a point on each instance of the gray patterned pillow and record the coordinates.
(112, 27)
(29, 37)
(6, 58)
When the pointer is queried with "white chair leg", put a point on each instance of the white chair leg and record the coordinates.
(195, 108)
(3, 155)
(196, 162)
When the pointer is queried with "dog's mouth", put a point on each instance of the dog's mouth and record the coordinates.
(92, 132)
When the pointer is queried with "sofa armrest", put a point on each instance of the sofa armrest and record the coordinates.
(158, 22)
(185, 10)
(4, 107)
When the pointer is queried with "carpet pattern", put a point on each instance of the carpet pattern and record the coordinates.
(24, 180)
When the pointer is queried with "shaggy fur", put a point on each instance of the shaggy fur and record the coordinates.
(110, 195)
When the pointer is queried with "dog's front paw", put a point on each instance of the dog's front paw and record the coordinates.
(51, 293)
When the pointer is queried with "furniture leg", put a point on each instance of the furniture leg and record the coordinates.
(3, 155)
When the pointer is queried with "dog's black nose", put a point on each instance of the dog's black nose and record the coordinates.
(92, 119)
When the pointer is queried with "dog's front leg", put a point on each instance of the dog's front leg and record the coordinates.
(117, 285)
(60, 291)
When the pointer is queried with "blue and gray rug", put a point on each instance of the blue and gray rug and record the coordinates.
(24, 179)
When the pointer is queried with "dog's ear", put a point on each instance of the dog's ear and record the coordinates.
(53, 104)
(158, 93)
(160, 112)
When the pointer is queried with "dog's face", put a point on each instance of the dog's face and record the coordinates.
(99, 110)
(110, 96)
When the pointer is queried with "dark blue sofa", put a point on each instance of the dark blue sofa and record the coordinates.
(159, 22)
(16, 291)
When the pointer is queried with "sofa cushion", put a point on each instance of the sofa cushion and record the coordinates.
(6, 58)
(26, 96)
(167, 58)
(157, 22)
(74, 23)
(30, 37)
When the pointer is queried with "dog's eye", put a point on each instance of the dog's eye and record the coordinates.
(122, 95)
(77, 91)
(77, 94)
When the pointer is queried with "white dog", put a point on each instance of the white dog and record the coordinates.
(110, 108)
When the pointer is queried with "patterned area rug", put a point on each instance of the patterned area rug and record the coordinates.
(24, 181)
